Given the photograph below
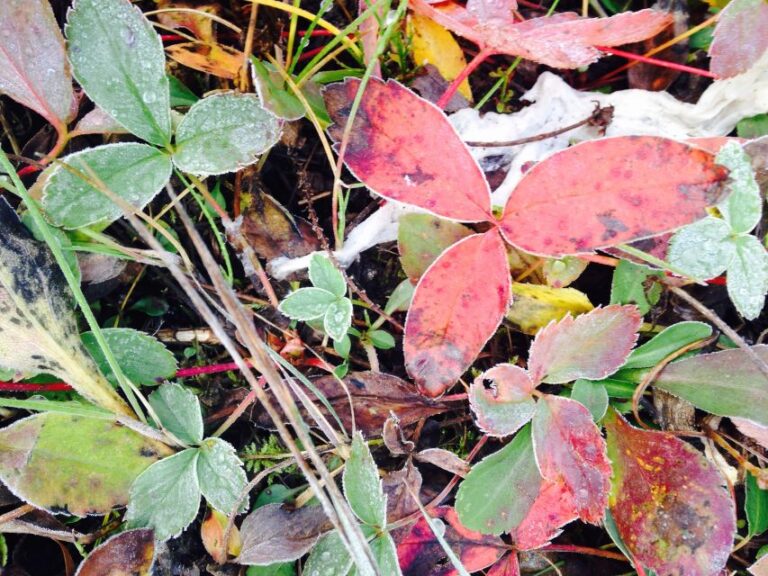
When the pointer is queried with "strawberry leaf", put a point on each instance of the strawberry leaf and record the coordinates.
(457, 306)
(591, 346)
(611, 191)
(570, 451)
(740, 37)
(403, 148)
(561, 41)
(501, 399)
(669, 503)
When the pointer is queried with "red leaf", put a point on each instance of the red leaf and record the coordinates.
(501, 399)
(458, 304)
(553, 508)
(593, 345)
(420, 554)
(669, 503)
(507, 566)
(740, 37)
(571, 451)
(561, 41)
(611, 191)
(403, 148)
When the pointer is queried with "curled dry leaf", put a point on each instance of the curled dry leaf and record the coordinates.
(501, 399)
(399, 485)
(590, 346)
(129, 553)
(669, 503)
(210, 58)
(562, 40)
(398, 147)
(457, 306)
(38, 327)
(611, 191)
(420, 554)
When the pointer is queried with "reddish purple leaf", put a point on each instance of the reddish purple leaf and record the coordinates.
(561, 41)
(553, 508)
(740, 37)
(403, 148)
(458, 304)
(571, 451)
(507, 566)
(592, 345)
(130, 552)
(34, 69)
(420, 554)
(501, 399)
(606, 192)
(670, 504)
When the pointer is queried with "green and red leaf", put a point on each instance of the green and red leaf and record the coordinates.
(501, 399)
(458, 304)
(591, 346)
(570, 451)
(403, 148)
(670, 504)
(129, 553)
(612, 191)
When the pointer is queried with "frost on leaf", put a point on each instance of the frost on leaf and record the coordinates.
(457, 306)
(740, 37)
(562, 41)
(501, 399)
(398, 147)
(670, 504)
(611, 191)
(591, 346)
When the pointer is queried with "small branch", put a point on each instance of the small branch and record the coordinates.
(601, 116)
(584, 550)
(723, 327)
(481, 57)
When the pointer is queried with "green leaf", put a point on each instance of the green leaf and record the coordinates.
(629, 285)
(592, 395)
(421, 238)
(385, 553)
(307, 303)
(38, 326)
(221, 475)
(362, 485)
(222, 133)
(324, 274)
(701, 249)
(381, 339)
(329, 557)
(33, 64)
(338, 318)
(119, 61)
(80, 465)
(669, 340)
(180, 94)
(166, 496)
(272, 90)
(401, 297)
(281, 569)
(134, 172)
(753, 127)
(61, 237)
(725, 383)
(497, 494)
(743, 206)
(748, 276)
(144, 359)
(755, 507)
(179, 412)
(343, 346)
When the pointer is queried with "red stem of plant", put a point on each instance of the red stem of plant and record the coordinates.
(657, 62)
(170, 37)
(454, 86)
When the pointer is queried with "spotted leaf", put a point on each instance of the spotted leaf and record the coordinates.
(501, 399)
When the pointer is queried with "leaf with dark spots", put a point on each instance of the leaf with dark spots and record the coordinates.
(591, 346)
(421, 238)
(458, 304)
(562, 40)
(570, 451)
(73, 463)
(129, 553)
(34, 69)
(38, 326)
(501, 399)
(420, 553)
(670, 504)
(274, 534)
(374, 395)
(740, 37)
(398, 147)
(611, 191)
(273, 232)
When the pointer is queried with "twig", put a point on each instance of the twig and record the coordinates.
(723, 327)
(601, 116)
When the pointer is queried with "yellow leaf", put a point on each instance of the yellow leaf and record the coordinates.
(534, 306)
(433, 44)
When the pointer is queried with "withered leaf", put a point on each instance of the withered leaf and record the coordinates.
(273, 232)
